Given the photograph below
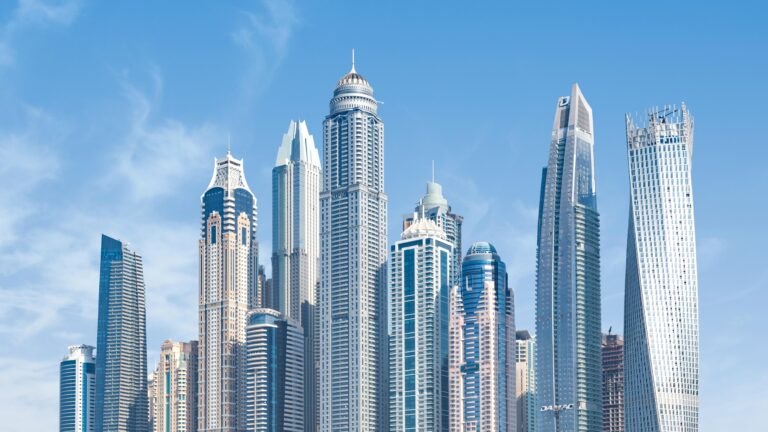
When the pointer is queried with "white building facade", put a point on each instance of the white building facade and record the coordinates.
(661, 314)
(228, 268)
(352, 320)
(419, 288)
(296, 244)
(77, 390)
(174, 401)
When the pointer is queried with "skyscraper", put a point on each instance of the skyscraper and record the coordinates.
(353, 253)
(661, 310)
(275, 373)
(419, 286)
(296, 244)
(175, 385)
(525, 383)
(121, 341)
(77, 382)
(434, 206)
(613, 383)
(482, 345)
(568, 276)
(228, 267)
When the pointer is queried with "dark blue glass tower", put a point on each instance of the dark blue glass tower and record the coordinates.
(121, 341)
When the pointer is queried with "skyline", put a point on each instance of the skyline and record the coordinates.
(42, 132)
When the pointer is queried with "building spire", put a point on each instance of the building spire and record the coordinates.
(229, 144)
(433, 170)
(353, 62)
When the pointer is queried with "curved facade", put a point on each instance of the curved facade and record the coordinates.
(661, 309)
(228, 266)
(482, 345)
(352, 319)
(568, 375)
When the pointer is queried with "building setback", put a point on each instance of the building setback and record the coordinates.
(482, 345)
(175, 385)
(121, 341)
(274, 373)
(77, 386)
(435, 207)
(296, 244)
(352, 313)
(661, 308)
(228, 271)
(613, 383)
(568, 384)
(419, 286)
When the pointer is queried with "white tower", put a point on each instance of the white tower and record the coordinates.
(353, 253)
(661, 310)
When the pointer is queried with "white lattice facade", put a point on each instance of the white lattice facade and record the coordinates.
(661, 318)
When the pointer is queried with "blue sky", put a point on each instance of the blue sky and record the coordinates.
(111, 115)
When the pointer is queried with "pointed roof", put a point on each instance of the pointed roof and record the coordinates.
(228, 174)
(297, 146)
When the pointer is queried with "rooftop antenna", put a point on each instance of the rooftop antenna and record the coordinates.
(433, 170)
(229, 144)
(353, 61)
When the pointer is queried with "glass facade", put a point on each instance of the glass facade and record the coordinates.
(418, 290)
(568, 384)
(274, 373)
(661, 316)
(482, 345)
(121, 341)
(77, 376)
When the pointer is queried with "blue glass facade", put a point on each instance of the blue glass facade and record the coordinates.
(485, 339)
(121, 364)
(568, 375)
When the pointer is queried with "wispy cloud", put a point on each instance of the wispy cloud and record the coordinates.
(34, 14)
(264, 36)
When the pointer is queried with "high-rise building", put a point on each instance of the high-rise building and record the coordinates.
(419, 287)
(525, 381)
(77, 386)
(121, 341)
(228, 273)
(568, 277)
(352, 304)
(613, 383)
(275, 373)
(661, 310)
(482, 345)
(152, 399)
(296, 244)
(175, 385)
(434, 206)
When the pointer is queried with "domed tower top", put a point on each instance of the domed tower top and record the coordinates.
(353, 92)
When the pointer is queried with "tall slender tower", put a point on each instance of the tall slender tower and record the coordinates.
(434, 206)
(296, 244)
(482, 345)
(228, 267)
(419, 284)
(353, 252)
(121, 341)
(661, 308)
(175, 386)
(568, 382)
(76, 390)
